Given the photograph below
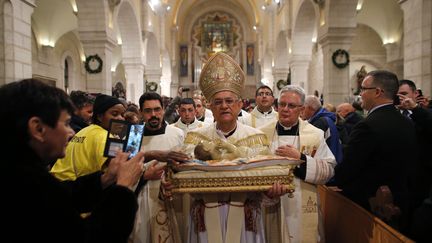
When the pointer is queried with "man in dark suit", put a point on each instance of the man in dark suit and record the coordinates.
(381, 148)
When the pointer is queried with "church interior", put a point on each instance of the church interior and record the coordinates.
(132, 46)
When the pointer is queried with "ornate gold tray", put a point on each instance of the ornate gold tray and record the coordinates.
(257, 174)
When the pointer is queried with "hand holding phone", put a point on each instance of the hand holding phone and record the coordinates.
(123, 136)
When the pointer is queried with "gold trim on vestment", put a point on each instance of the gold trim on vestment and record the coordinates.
(195, 138)
(256, 139)
(205, 184)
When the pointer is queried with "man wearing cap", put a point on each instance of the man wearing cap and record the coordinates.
(221, 82)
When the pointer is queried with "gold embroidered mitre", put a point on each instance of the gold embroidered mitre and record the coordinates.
(221, 73)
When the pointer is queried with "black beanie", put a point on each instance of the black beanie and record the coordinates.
(103, 103)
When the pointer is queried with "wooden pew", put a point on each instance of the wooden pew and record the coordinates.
(345, 221)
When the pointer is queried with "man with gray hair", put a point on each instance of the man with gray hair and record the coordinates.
(292, 137)
(316, 115)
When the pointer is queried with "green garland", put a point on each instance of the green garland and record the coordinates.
(340, 52)
(96, 58)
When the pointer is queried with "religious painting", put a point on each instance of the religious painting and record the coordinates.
(183, 61)
(250, 59)
(216, 33)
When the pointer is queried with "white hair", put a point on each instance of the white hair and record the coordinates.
(294, 89)
(313, 102)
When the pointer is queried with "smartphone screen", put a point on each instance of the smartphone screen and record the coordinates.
(134, 139)
(123, 136)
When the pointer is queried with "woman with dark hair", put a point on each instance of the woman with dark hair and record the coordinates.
(40, 208)
(84, 153)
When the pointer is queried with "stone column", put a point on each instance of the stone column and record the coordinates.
(417, 43)
(99, 82)
(336, 87)
(16, 54)
(153, 74)
(97, 37)
(394, 59)
(134, 81)
(299, 65)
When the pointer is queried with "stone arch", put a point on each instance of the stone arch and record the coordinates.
(304, 29)
(197, 11)
(68, 47)
(67, 67)
(93, 15)
(182, 7)
(126, 20)
(341, 13)
(166, 75)
(7, 66)
(152, 55)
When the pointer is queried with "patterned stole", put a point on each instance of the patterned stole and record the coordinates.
(304, 205)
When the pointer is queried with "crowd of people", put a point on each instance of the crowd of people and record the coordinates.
(65, 190)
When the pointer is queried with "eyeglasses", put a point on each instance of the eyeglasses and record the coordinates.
(228, 101)
(150, 110)
(290, 106)
(366, 88)
(264, 94)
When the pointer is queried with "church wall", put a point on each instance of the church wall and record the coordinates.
(48, 62)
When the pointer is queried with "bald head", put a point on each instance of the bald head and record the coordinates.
(344, 109)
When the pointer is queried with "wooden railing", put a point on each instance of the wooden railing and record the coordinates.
(345, 221)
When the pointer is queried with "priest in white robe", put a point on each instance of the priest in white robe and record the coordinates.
(160, 142)
(187, 121)
(298, 139)
(219, 218)
(263, 112)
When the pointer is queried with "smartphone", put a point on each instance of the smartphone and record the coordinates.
(420, 93)
(123, 136)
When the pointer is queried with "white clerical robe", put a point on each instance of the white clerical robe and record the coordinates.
(225, 222)
(148, 226)
(243, 116)
(188, 127)
(259, 119)
(301, 219)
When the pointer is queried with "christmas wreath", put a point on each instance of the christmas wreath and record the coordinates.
(280, 84)
(151, 86)
(93, 64)
(340, 58)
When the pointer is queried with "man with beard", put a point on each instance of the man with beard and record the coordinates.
(157, 136)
